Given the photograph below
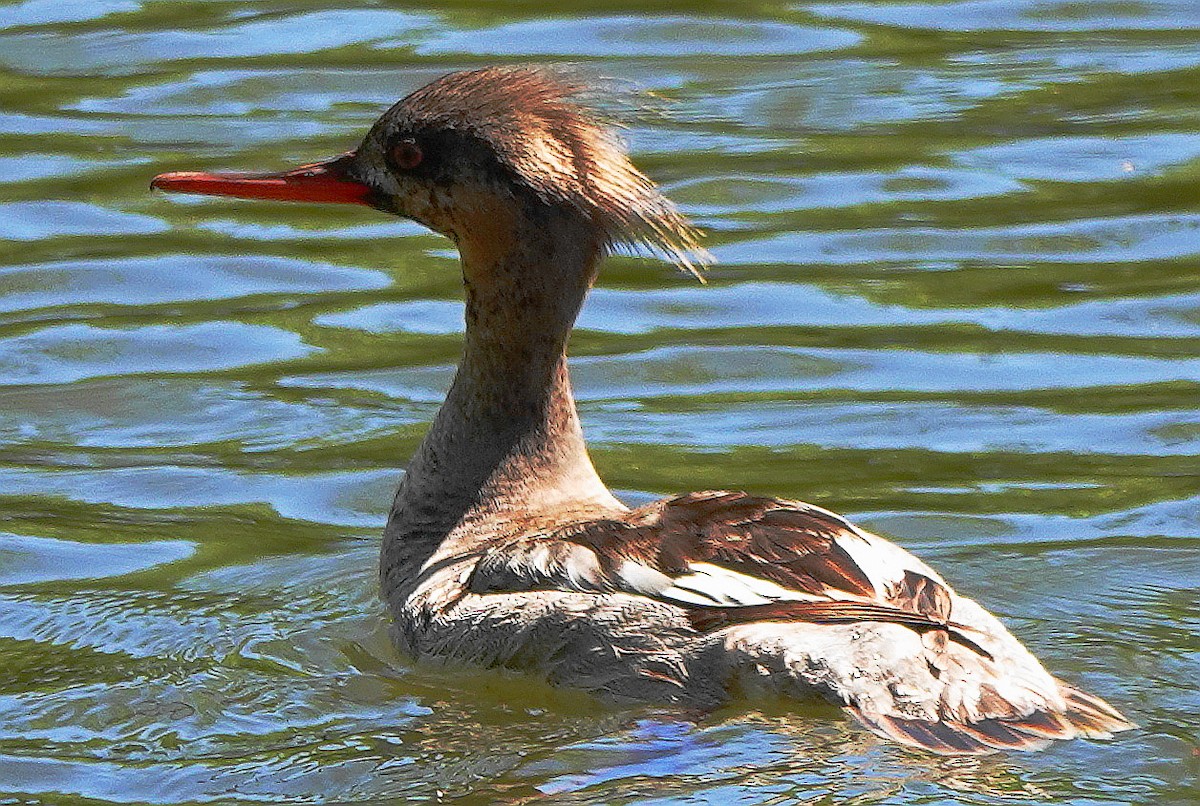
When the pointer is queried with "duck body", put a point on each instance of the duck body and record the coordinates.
(504, 548)
(695, 599)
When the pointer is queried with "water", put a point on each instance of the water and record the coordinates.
(958, 299)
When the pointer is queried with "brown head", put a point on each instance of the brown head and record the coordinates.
(485, 157)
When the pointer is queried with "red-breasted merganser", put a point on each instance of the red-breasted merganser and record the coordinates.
(505, 549)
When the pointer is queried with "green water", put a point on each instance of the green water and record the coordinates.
(958, 299)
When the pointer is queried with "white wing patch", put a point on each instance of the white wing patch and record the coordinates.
(709, 585)
(883, 562)
(635, 577)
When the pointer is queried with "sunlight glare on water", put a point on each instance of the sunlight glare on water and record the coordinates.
(958, 299)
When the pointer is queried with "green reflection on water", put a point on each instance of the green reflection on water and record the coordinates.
(998, 200)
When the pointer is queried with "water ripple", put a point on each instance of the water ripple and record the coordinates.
(67, 353)
(957, 300)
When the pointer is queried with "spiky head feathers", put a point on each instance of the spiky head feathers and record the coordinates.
(533, 125)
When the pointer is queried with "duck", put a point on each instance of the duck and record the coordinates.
(503, 548)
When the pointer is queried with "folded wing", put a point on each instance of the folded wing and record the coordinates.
(911, 659)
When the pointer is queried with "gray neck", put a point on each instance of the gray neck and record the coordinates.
(506, 445)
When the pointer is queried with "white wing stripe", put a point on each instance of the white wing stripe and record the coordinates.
(710, 585)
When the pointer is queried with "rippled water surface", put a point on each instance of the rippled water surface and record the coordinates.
(958, 298)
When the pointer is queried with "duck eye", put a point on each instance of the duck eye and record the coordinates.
(406, 154)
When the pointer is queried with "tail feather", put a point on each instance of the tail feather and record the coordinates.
(1090, 715)
(1085, 715)
(1044, 725)
(999, 734)
(940, 737)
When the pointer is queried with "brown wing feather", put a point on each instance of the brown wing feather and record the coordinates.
(788, 543)
(705, 618)
(920, 594)
(792, 544)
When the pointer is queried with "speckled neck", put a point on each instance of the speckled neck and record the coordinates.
(506, 445)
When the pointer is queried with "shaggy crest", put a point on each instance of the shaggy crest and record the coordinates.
(538, 125)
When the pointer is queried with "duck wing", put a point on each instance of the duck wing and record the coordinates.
(726, 558)
(796, 588)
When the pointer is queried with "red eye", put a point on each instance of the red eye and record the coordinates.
(406, 155)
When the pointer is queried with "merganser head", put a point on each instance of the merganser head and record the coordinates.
(478, 155)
